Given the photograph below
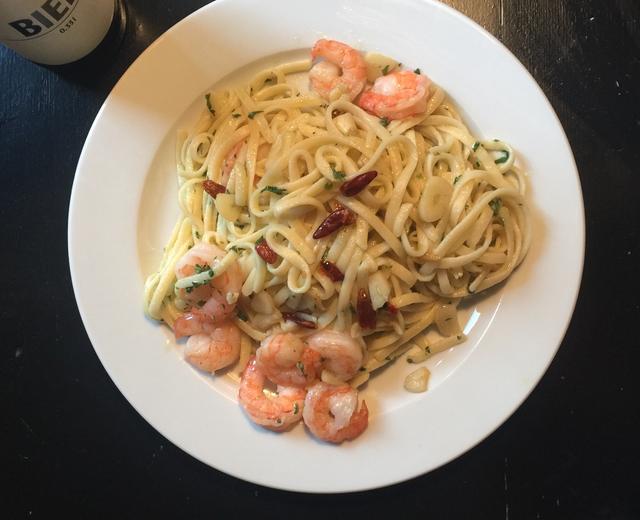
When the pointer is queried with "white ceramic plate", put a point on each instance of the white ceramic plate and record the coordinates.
(123, 205)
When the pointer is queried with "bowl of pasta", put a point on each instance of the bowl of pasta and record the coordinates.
(334, 251)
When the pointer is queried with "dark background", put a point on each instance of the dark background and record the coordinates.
(69, 441)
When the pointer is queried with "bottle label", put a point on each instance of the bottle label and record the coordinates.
(54, 31)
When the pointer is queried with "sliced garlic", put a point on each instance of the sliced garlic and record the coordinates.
(435, 199)
(417, 380)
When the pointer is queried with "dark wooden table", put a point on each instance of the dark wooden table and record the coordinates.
(71, 443)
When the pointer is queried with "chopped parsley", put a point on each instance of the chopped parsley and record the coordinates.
(203, 268)
(385, 70)
(504, 158)
(197, 234)
(274, 189)
(384, 121)
(209, 105)
(417, 71)
(338, 175)
(496, 204)
(253, 114)
(241, 314)
(195, 285)
(328, 185)
(300, 367)
(458, 177)
(236, 115)
(475, 146)
(325, 254)
(295, 408)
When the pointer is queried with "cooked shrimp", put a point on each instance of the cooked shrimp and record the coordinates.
(330, 412)
(340, 353)
(211, 352)
(396, 95)
(286, 360)
(229, 163)
(275, 412)
(212, 301)
(325, 75)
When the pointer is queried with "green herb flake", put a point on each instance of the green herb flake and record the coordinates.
(260, 240)
(385, 70)
(496, 204)
(417, 71)
(197, 234)
(328, 185)
(384, 121)
(274, 189)
(325, 254)
(241, 314)
(235, 249)
(296, 408)
(458, 177)
(253, 114)
(236, 115)
(209, 105)
(475, 146)
(338, 175)
(194, 285)
(504, 157)
(201, 268)
(300, 367)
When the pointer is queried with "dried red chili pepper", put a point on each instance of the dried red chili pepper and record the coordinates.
(292, 316)
(265, 252)
(213, 188)
(332, 271)
(358, 183)
(335, 220)
(391, 308)
(365, 311)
